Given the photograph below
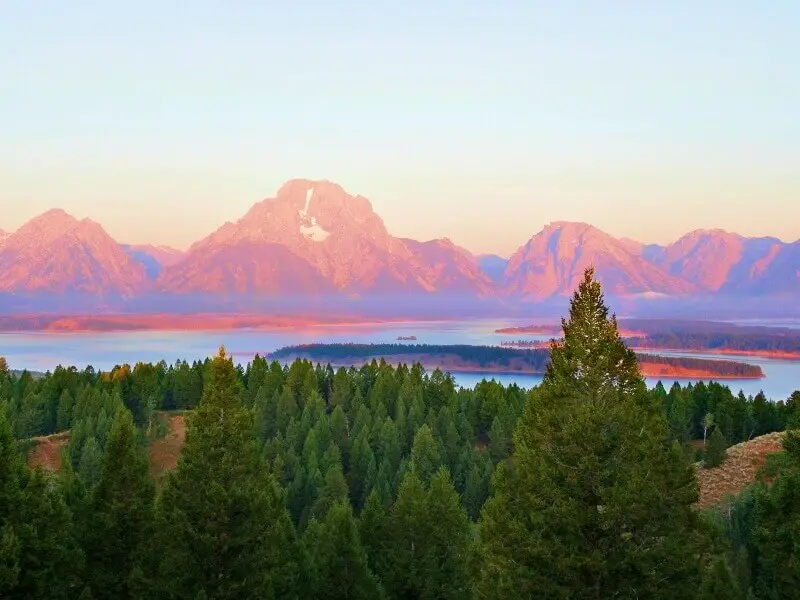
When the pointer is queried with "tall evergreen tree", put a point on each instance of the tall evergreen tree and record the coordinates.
(776, 531)
(121, 510)
(595, 502)
(420, 548)
(715, 449)
(340, 561)
(223, 528)
(39, 557)
(10, 497)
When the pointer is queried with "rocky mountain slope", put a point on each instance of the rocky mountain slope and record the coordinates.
(55, 252)
(315, 238)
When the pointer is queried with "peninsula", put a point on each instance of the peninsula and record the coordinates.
(493, 359)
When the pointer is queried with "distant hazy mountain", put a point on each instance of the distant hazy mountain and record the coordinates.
(715, 260)
(154, 258)
(56, 253)
(493, 266)
(552, 263)
(313, 239)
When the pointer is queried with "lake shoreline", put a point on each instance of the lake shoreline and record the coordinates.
(768, 354)
(124, 323)
(648, 370)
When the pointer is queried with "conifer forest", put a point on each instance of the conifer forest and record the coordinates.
(389, 482)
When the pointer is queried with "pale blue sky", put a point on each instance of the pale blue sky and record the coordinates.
(481, 121)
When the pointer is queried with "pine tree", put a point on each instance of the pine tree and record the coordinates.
(420, 548)
(425, 453)
(499, 441)
(51, 561)
(121, 510)
(64, 411)
(10, 498)
(399, 563)
(595, 502)
(776, 531)
(445, 553)
(39, 557)
(340, 560)
(719, 582)
(223, 528)
(372, 528)
(715, 450)
(334, 491)
(91, 459)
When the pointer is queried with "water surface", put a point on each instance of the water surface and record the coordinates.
(44, 351)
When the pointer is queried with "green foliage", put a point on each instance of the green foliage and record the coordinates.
(720, 582)
(341, 568)
(121, 510)
(776, 529)
(420, 547)
(715, 449)
(595, 502)
(582, 486)
(222, 526)
(39, 557)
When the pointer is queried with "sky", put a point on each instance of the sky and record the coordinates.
(479, 121)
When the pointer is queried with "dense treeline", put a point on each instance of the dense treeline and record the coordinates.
(532, 359)
(729, 341)
(481, 356)
(302, 481)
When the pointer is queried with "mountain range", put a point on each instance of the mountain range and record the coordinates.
(313, 239)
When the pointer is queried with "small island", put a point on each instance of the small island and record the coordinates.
(525, 344)
(494, 359)
(531, 329)
(406, 338)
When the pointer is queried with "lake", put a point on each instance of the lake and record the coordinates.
(38, 351)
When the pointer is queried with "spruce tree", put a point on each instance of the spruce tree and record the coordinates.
(715, 449)
(420, 549)
(121, 512)
(776, 530)
(720, 583)
(223, 528)
(39, 557)
(10, 497)
(51, 561)
(340, 561)
(595, 502)
(334, 490)
(425, 453)
(445, 552)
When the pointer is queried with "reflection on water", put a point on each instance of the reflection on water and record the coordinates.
(44, 351)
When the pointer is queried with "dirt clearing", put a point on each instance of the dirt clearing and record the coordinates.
(164, 452)
(47, 451)
(739, 470)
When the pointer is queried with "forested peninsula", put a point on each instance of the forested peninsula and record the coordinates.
(493, 359)
(688, 336)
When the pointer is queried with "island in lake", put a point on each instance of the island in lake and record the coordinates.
(404, 338)
(686, 336)
(494, 359)
(532, 329)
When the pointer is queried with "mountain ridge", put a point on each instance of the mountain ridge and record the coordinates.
(313, 237)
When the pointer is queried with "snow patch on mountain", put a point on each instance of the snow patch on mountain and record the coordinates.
(308, 225)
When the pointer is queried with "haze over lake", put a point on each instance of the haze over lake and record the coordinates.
(44, 351)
